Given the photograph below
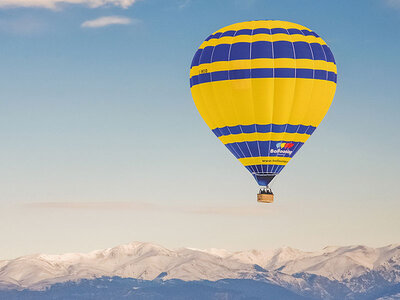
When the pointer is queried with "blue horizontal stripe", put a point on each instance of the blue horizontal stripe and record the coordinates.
(276, 128)
(290, 31)
(263, 73)
(262, 49)
(262, 148)
(265, 169)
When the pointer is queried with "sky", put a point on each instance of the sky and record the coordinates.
(102, 143)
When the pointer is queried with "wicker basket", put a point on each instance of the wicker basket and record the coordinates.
(265, 198)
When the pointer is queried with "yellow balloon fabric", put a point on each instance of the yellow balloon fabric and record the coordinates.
(263, 87)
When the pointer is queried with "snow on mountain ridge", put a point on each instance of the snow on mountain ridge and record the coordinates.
(147, 261)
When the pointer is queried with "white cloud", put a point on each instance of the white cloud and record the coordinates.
(54, 4)
(106, 21)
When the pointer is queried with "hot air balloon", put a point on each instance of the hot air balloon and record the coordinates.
(263, 87)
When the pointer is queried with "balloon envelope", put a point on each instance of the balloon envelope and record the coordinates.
(263, 87)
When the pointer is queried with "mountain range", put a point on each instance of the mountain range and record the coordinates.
(148, 271)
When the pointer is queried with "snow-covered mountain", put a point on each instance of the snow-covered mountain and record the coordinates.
(333, 272)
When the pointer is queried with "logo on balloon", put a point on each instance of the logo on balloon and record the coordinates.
(283, 148)
(284, 145)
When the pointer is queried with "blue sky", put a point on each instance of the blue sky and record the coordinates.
(102, 143)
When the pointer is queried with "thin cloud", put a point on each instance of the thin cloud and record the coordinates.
(107, 21)
(184, 3)
(91, 205)
(22, 26)
(393, 3)
(54, 4)
(241, 211)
